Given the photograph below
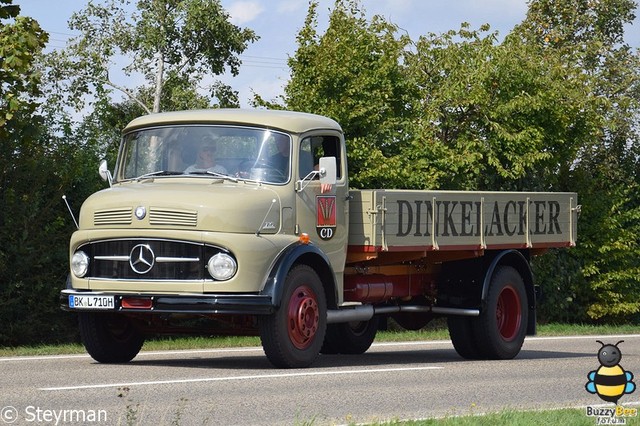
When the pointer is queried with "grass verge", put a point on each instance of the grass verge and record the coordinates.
(568, 416)
(438, 332)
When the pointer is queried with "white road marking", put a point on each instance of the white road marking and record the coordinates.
(253, 377)
(606, 336)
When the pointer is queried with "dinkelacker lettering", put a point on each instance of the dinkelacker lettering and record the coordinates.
(464, 218)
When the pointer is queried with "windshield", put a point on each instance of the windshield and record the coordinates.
(196, 150)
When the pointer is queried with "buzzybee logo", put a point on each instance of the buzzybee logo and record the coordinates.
(610, 381)
(326, 216)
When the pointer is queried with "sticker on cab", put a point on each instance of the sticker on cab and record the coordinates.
(326, 216)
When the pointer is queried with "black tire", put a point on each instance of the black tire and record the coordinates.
(501, 327)
(463, 338)
(109, 338)
(352, 338)
(293, 335)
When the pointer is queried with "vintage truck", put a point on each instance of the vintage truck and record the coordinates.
(242, 221)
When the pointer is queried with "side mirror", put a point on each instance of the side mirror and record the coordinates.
(104, 172)
(328, 170)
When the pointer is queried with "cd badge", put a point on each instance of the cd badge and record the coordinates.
(326, 216)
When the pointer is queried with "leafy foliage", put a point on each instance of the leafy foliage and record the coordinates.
(19, 41)
(34, 225)
(587, 38)
(351, 74)
(173, 45)
(488, 115)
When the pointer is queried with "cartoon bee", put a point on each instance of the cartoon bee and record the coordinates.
(610, 381)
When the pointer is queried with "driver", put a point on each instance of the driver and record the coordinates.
(280, 160)
(206, 159)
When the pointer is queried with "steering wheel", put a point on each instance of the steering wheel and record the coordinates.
(271, 170)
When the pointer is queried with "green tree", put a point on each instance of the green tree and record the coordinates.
(20, 40)
(34, 224)
(172, 44)
(493, 116)
(601, 274)
(352, 74)
(456, 110)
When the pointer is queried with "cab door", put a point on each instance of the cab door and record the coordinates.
(324, 216)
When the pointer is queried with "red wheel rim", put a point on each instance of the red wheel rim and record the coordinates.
(303, 317)
(508, 313)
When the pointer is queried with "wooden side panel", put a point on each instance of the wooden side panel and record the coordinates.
(402, 220)
(362, 215)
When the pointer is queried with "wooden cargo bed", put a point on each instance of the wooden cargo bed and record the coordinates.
(444, 222)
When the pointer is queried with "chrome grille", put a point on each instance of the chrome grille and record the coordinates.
(113, 217)
(165, 217)
(165, 259)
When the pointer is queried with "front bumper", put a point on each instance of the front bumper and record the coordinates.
(232, 304)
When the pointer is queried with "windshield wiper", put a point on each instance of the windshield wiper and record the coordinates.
(216, 174)
(158, 173)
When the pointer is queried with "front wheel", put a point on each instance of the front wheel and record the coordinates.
(109, 338)
(293, 335)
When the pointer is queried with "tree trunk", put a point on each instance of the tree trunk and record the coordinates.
(158, 91)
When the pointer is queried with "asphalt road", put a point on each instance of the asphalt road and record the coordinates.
(239, 387)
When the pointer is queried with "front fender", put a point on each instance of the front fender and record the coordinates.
(299, 253)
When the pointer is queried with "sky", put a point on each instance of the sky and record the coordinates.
(276, 22)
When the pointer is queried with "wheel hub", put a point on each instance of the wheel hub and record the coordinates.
(508, 313)
(304, 317)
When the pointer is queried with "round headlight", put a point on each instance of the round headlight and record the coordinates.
(222, 266)
(79, 264)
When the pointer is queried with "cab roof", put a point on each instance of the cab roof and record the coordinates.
(288, 121)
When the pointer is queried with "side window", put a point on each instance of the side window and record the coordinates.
(313, 148)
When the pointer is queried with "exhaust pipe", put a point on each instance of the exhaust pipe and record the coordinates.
(366, 312)
(350, 314)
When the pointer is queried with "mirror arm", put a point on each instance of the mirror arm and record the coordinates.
(304, 182)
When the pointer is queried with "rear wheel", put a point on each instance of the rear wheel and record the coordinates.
(499, 331)
(352, 338)
(463, 338)
(293, 335)
(109, 338)
(501, 327)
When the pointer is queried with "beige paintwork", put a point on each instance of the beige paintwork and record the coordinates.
(287, 121)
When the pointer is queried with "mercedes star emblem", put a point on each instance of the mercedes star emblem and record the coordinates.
(142, 258)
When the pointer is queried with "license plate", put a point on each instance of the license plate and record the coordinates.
(92, 302)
